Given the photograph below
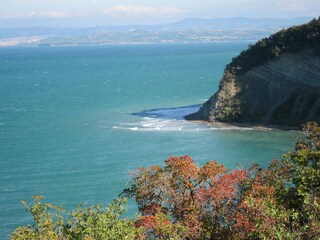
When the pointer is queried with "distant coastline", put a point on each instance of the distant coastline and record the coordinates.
(30, 43)
(185, 31)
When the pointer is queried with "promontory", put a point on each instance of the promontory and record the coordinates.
(274, 82)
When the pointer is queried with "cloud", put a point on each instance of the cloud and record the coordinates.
(45, 14)
(130, 10)
(49, 14)
(117, 12)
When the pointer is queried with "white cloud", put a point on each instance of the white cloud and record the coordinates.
(49, 14)
(46, 14)
(130, 10)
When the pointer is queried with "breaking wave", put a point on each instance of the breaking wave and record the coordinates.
(169, 119)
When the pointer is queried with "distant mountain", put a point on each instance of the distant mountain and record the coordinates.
(191, 30)
(185, 24)
(237, 23)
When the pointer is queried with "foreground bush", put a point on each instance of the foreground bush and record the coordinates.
(209, 202)
(95, 222)
(184, 201)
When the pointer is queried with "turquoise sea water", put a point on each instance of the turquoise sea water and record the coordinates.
(74, 121)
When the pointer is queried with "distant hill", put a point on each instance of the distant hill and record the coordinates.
(185, 24)
(275, 81)
(237, 23)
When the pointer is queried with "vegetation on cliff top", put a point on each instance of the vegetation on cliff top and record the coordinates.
(184, 201)
(290, 40)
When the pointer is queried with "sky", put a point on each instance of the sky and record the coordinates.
(85, 13)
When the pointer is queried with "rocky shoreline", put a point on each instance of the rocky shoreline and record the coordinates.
(236, 125)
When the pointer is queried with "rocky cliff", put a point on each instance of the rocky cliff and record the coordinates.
(276, 81)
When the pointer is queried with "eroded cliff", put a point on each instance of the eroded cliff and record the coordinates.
(282, 89)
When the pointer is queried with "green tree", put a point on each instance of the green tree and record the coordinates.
(92, 223)
(48, 222)
(296, 180)
(98, 222)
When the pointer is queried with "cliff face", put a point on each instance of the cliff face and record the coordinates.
(285, 91)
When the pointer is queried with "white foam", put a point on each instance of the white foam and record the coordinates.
(20, 110)
(178, 127)
(170, 119)
(128, 124)
(159, 124)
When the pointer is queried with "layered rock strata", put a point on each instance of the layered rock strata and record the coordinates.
(283, 91)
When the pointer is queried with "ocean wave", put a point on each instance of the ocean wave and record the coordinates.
(170, 119)
(12, 109)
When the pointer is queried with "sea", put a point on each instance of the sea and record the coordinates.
(75, 122)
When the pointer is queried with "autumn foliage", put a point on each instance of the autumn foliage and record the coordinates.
(210, 202)
(184, 201)
(202, 200)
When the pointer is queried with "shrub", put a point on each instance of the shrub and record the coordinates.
(95, 222)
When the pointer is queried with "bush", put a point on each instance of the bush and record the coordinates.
(184, 201)
(209, 202)
(95, 222)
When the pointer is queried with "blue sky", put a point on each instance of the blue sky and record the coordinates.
(111, 12)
